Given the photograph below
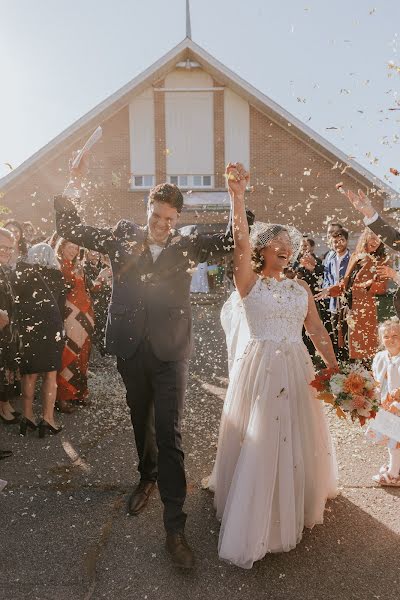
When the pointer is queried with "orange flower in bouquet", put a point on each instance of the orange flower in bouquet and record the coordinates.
(353, 384)
(351, 390)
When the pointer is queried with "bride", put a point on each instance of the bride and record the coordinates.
(275, 465)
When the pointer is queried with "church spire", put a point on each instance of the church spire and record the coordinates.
(188, 24)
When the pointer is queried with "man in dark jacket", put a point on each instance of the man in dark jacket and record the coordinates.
(150, 330)
(309, 268)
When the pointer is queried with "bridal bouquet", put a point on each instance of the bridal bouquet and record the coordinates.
(351, 390)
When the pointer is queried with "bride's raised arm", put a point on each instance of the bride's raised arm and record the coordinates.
(238, 179)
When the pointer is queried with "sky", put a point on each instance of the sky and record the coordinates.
(334, 65)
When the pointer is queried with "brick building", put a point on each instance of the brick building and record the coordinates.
(181, 120)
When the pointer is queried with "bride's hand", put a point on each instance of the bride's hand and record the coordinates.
(237, 178)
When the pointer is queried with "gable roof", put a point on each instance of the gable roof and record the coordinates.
(187, 49)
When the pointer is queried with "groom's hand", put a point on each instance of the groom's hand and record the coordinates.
(361, 202)
(237, 178)
(63, 204)
(82, 169)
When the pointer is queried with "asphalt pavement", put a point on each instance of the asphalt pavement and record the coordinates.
(65, 533)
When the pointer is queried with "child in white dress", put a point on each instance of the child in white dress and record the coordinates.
(384, 430)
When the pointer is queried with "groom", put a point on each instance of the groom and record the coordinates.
(149, 329)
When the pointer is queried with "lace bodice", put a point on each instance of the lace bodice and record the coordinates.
(275, 310)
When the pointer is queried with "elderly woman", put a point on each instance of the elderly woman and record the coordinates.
(358, 320)
(79, 326)
(9, 369)
(39, 287)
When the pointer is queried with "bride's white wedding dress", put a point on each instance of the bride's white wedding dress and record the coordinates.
(275, 465)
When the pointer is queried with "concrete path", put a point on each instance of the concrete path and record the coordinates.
(65, 534)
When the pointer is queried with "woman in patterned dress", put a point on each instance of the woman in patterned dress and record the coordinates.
(79, 326)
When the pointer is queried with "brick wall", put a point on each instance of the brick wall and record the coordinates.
(292, 182)
(219, 138)
(160, 135)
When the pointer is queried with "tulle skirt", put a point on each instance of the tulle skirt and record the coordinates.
(275, 464)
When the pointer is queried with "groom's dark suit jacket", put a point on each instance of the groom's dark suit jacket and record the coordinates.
(148, 299)
(391, 237)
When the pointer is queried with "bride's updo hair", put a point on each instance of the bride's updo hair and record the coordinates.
(257, 261)
(261, 235)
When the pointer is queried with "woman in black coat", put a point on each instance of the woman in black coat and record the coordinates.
(9, 368)
(39, 289)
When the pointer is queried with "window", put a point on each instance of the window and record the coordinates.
(145, 181)
(188, 181)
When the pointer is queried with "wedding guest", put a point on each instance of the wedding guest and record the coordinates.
(92, 264)
(79, 326)
(29, 232)
(99, 279)
(199, 283)
(384, 430)
(324, 305)
(53, 239)
(21, 246)
(212, 271)
(334, 270)
(39, 287)
(331, 229)
(357, 315)
(10, 386)
(310, 269)
(308, 266)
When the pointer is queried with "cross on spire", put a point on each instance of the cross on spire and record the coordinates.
(188, 24)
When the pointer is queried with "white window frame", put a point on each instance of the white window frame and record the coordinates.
(190, 181)
(148, 185)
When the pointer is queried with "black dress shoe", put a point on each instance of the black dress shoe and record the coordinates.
(26, 424)
(140, 497)
(45, 427)
(180, 551)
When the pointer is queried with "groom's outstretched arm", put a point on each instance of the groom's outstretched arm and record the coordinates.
(70, 227)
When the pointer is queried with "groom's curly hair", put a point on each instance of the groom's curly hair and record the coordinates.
(168, 193)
